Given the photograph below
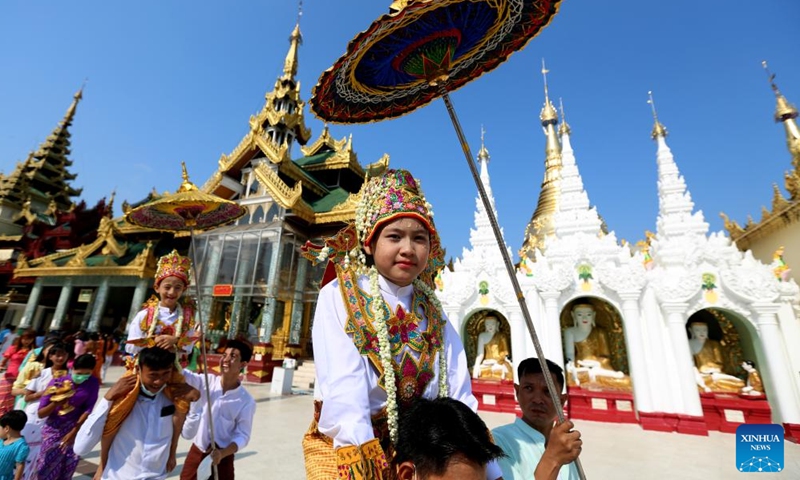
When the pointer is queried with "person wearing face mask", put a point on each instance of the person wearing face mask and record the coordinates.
(65, 406)
(54, 360)
(141, 447)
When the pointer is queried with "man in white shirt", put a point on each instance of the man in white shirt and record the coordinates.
(534, 446)
(232, 407)
(140, 449)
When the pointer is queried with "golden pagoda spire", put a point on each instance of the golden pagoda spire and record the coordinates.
(295, 40)
(659, 130)
(542, 225)
(563, 129)
(786, 113)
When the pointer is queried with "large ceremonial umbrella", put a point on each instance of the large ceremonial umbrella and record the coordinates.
(421, 50)
(189, 208)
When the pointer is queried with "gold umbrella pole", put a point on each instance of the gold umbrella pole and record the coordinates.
(203, 349)
(507, 261)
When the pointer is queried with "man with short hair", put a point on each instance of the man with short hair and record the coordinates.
(534, 445)
(141, 447)
(442, 439)
(232, 407)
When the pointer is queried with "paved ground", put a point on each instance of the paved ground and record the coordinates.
(611, 451)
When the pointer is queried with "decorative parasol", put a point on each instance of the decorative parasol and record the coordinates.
(421, 50)
(188, 209)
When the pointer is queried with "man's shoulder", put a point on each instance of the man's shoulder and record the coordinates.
(505, 431)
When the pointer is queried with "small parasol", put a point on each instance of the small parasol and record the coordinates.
(421, 50)
(189, 209)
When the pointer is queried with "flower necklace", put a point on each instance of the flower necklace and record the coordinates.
(178, 329)
(380, 313)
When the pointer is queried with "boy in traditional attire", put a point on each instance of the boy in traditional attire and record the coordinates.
(166, 321)
(380, 336)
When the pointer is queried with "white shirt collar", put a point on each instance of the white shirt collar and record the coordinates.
(394, 290)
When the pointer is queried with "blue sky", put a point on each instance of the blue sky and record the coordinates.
(178, 80)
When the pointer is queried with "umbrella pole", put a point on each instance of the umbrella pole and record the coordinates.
(554, 395)
(203, 351)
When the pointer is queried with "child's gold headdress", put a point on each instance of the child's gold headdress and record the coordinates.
(173, 265)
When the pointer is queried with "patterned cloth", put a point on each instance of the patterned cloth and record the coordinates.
(10, 456)
(54, 462)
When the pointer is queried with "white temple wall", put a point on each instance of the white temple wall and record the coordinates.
(662, 375)
(789, 321)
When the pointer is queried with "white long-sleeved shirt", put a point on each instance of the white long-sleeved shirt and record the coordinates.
(348, 383)
(233, 413)
(165, 317)
(140, 449)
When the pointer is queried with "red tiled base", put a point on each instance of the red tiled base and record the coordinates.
(748, 408)
(496, 396)
(600, 406)
(791, 432)
(658, 422)
(691, 425)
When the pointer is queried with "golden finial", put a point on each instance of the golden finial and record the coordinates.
(783, 110)
(564, 128)
(659, 130)
(75, 99)
(483, 153)
(186, 185)
(299, 11)
(548, 114)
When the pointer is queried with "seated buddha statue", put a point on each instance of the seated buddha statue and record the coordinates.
(588, 354)
(754, 385)
(492, 363)
(709, 359)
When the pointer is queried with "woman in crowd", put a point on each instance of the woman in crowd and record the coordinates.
(10, 364)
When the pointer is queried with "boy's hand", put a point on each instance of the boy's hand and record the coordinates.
(171, 463)
(166, 341)
(120, 389)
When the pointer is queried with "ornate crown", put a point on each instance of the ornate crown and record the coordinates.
(395, 194)
(173, 265)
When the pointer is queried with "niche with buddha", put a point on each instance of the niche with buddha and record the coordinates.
(496, 347)
(594, 345)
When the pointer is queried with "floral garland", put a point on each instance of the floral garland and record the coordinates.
(381, 312)
(154, 322)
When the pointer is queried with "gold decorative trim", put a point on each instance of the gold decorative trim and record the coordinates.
(282, 193)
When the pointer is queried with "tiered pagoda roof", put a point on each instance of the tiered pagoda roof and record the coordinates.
(318, 188)
(42, 183)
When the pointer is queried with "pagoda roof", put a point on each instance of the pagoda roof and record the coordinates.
(111, 254)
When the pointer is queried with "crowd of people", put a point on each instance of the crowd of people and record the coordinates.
(393, 401)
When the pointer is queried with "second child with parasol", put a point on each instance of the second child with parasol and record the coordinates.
(166, 321)
(381, 339)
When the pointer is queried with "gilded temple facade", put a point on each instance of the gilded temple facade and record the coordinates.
(673, 319)
(250, 273)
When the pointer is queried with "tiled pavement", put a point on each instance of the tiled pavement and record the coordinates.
(610, 451)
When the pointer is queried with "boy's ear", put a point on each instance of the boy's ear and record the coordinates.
(368, 249)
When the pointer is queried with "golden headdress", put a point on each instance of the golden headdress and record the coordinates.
(173, 265)
(395, 194)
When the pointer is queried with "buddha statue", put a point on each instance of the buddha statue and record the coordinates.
(709, 359)
(492, 363)
(754, 385)
(588, 354)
